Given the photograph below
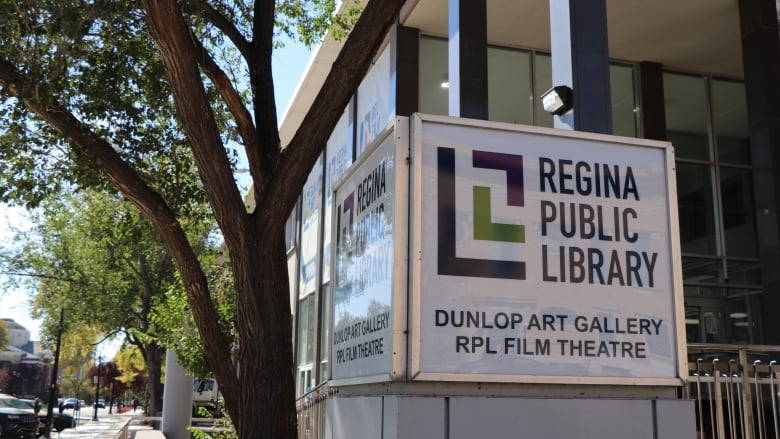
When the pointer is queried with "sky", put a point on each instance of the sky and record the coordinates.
(15, 304)
(288, 63)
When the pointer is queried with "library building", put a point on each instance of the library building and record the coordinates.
(545, 218)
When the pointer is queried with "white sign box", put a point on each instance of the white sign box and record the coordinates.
(369, 270)
(542, 255)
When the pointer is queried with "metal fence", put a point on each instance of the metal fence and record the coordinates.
(735, 389)
(311, 412)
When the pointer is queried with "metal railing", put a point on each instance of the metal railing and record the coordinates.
(311, 412)
(734, 388)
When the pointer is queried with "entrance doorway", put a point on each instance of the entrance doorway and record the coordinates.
(727, 320)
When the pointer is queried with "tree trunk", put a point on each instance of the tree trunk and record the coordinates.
(153, 357)
(267, 391)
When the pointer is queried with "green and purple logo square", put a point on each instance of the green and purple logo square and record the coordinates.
(484, 229)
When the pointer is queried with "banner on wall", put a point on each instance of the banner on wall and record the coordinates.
(338, 158)
(364, 201)
(375, 101)
(311, 203)
(544, 254)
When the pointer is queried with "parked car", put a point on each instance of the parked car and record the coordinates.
(60, 421)
(101, 403)
(70, 403)
(17, 419)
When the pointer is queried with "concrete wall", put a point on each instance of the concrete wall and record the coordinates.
(416, 417)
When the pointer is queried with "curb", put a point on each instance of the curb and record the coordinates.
(119, 429)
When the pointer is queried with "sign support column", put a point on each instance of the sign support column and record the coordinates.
(468, 75)
(580, 59)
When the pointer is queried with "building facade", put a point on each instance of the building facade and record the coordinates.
(699, 74)
(23, 371)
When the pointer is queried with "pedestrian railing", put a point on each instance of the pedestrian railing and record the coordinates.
(311, 412)
(734, 388)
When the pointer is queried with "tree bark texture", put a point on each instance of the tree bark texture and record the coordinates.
(153, 356)
(255, 242)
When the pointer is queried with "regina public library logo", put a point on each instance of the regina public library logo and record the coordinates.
(484, 228)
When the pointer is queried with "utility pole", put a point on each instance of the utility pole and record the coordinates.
(53, 384)
(111, 398)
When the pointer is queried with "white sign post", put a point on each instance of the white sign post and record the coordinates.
(543, 256)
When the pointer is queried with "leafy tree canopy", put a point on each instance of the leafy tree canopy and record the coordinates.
(77, 354)
(131, 367)
(95, 256)
(96, 60)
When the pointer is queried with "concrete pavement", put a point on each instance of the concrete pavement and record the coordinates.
(108, 426)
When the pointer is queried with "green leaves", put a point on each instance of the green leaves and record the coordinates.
(84, 96)
(308, 21)
(96, 62)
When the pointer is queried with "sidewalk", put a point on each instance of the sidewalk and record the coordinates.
(108, 426)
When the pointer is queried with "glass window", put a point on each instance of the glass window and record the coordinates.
(729, 115)
(375, 101)
(692, 324)
(542, 83)
(434, 79)
(744, 272)
(687, 115)
(292, 270)
(307, 327)
(739, 226)
(311, 207)
(291, 228)
(338, 158)
(701, 270)
(623, 95)
(696, 209)
(304, 380)
(707, 123)
(324, 333)
(510, 97)
(512, 94)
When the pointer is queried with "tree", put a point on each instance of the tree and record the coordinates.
(4, 377)
(131, 368)
(3, 334)
(73, 39)
(77, 353)
(108, 382)
(94, 255)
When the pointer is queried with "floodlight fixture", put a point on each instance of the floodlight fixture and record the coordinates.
(558, 100)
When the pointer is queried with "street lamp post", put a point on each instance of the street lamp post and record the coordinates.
(97, 388)
(53, 384)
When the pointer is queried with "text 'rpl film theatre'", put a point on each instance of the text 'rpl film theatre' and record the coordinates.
(546, 218)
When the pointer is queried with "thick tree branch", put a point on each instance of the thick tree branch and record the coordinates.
(242, 117)
(264, 100)
(105, 160)
(227, 27)
(172, 37)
